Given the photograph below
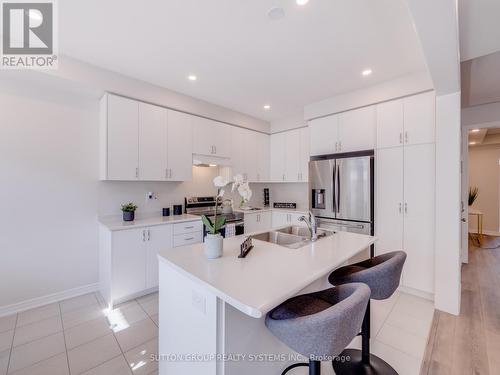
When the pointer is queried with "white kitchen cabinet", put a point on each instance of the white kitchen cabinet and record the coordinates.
(290, 156)
(262, 156)
(179, 147)
(357, 130)
(119, 132)
(419, 122)
(419, 212)
(211, 137)
(258, 221)
(281, 219)
(128, 263)
(408, 121)
(152, 142)
(243, 154)
(389, 185)
(390, 124)
(278, 157)
(158, 238)
(324, 135)
(405, 210)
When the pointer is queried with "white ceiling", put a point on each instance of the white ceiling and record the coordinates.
(243, 59)
(479, 28)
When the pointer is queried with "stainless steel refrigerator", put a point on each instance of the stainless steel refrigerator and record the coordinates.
(342, 191)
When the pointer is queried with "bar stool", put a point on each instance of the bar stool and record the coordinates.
(382, 274)
(320, 325)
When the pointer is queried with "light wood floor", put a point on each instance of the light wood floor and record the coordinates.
(469, 343)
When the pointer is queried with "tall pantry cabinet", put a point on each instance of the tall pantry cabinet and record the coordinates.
(405, 186)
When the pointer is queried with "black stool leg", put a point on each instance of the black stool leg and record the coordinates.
(361, 362)
(314, 367)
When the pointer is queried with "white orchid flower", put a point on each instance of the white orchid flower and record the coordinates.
(220, 181)
(245, 191)
(238, 179)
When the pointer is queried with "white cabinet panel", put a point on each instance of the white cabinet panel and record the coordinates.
(278, 153)
(390, 124)
(262, 156)
(128, 262)
(211, 137)
(280, 219)
(292, 155)
(304, 155)
(188, 227)
(257, 222)
(389, 200)
(357, 130)
(419, 211)
(187, 239)
(152, 142)
(180, 146)
(244, 143)
(122, 132)
(158, 238)
(324, 135)
(419, 118)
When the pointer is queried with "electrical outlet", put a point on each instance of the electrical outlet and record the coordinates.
(152, 195)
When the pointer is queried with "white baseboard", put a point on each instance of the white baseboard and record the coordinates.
(417, 293)
(45, 300)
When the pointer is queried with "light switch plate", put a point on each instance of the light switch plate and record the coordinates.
(199, 302)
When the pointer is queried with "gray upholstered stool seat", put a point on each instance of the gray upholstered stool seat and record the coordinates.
(320, 325)
(382, 274)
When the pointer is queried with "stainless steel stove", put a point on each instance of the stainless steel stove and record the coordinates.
(206, 206)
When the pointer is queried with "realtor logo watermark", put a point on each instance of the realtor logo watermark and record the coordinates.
(29, 34)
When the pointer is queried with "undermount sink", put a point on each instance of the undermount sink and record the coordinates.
(292, 237)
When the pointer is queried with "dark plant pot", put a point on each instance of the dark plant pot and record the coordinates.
(128, 215)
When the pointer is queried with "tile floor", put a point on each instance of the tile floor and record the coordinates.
(78, 336)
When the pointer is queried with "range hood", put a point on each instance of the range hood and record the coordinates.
(210, 161)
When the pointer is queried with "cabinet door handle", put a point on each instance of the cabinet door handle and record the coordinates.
(340, 146)
(400, 207)
(406, 137)
(143, 236)
(149, 235)
(166, 173)
(189, 239)
(215, 149)
(406, 208)
(336, 146)
(191, 227)
(258, 177)
(400, 137)
(170, 173)
(137, 172)
(283, 177)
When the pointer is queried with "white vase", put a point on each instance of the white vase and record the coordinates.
(213, 245)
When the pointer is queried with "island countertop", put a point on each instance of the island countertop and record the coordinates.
(269, 274)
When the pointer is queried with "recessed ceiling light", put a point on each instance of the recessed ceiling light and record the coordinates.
(475, 130)
(366, 72)
(276, 13)
(267, 107)
(192, 77)
(301, 2)
(472, 143)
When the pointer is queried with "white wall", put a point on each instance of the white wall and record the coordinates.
(293, 121)
(397, 88)
(484, 173)
(50, 190)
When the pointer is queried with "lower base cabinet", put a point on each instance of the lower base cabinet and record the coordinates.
(281, 219)
(128, 259)
(257, 222)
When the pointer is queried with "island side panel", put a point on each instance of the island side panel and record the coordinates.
(188, 324)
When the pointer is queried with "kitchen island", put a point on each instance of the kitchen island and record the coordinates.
(215, 308)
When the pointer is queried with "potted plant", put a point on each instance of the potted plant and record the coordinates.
(129, 211)
(473, 193)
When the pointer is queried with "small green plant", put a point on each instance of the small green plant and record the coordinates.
(129, 207)
(215, 226)
(473, 193)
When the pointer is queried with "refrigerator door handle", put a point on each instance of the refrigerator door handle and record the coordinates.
(338, 189)
(334, 196)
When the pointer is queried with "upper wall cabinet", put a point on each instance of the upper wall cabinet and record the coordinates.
(243, 153)
(409, 121)
(290, 156)
(119, 138)
(211, 137)
(345, 132)
(140, 141)
(262, 157)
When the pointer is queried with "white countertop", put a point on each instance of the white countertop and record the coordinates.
(267, 209)
(115, 222)
(269, 274)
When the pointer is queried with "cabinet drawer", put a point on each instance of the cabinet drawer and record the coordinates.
(188, 227)
(187, 239)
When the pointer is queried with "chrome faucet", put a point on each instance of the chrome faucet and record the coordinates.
(312, 224)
